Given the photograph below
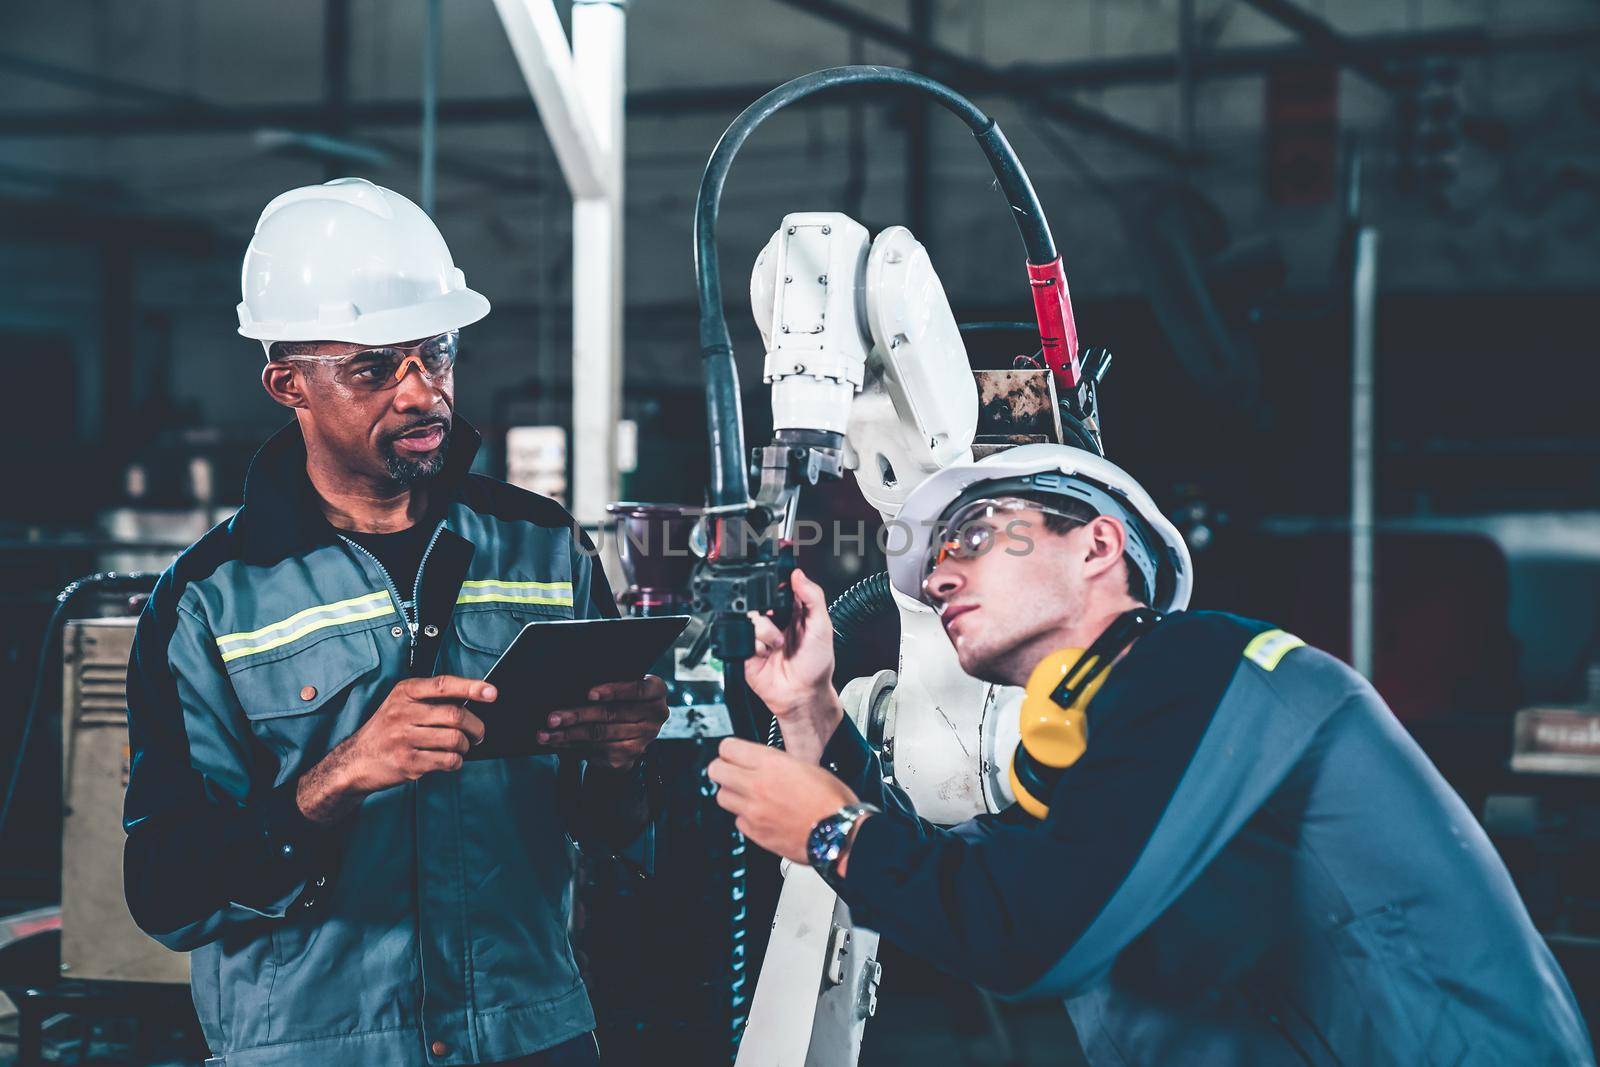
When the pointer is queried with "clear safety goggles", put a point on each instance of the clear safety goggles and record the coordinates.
(374, 370)
(977, 526)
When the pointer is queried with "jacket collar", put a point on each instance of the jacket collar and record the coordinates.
(282, 515)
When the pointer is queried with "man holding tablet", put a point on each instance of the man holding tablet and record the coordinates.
(300, 814)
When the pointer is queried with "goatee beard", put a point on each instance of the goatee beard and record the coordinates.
(407, 470)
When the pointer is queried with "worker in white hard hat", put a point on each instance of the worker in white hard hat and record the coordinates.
(1225, 850)
(361, 877)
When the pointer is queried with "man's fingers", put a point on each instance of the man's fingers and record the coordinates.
(808, 592)
(450, 687)
(440, 739)
(424, 761)
(647, 688)
(453, 717)
(767, 632)
(745, 755)
(729, 777)
(587, 733)
(650, 711)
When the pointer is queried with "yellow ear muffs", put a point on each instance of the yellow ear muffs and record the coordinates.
(1053, 736)
(1055, 722)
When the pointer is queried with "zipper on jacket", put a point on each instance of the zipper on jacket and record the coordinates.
(411, 618)
(416, 590)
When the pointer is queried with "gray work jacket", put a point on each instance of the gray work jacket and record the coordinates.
(430, 927)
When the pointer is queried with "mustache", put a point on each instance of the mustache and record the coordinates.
(426, 423)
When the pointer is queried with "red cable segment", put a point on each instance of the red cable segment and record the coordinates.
(1058, 333)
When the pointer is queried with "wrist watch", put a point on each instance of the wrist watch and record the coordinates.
(828, 838)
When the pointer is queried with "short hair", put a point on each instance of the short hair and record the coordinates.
(1081, 513)
(281, 350)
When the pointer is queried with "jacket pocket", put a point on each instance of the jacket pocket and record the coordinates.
(307, 681)
(490, 633)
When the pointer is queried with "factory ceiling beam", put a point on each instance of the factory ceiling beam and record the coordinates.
(187, 111)
(186, 114)
(73, 219)
(1328, 42)
(17, 64)
(1253, 60)
(971, 75)
(101, 122)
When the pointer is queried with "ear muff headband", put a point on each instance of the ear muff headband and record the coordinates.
(1055, 724)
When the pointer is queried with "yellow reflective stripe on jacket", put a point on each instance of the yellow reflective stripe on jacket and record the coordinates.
(493, 591)
(301, 623)
(1267, 649)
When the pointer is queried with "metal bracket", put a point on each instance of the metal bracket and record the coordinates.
(872, 975)
(838, 948)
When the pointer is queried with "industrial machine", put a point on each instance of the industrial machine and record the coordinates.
(666, 956)
(87, 957)
(869, 375)
(99, 941)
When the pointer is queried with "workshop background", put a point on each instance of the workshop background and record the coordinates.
(1344, 254)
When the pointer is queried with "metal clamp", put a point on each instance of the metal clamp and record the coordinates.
(838, 948)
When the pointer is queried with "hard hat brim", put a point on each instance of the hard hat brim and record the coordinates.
(909, 534)
(449, 311)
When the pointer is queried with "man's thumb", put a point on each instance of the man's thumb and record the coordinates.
(808, 592)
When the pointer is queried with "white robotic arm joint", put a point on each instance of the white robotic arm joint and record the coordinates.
(861, 342)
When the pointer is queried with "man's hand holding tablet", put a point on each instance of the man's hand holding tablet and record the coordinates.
(581, 687)
(622, 718)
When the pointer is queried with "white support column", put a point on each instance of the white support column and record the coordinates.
(579, 94)
(540, 45)
(1363, 435)
(598, 35)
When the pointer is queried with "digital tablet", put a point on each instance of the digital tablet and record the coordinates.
(554, 664)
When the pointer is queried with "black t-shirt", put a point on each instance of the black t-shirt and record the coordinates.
(400, 553)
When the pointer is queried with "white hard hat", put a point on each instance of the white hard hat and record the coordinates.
(1153, 542)
(351, 261)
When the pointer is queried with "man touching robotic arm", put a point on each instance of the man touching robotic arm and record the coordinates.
(1021, 906)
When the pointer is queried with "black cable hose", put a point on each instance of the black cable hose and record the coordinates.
(137, 581)
(999, 327)
(724, 419)
(864, 603)
(859, 606)
(745, 710)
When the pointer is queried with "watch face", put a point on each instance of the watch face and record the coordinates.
(825, 841)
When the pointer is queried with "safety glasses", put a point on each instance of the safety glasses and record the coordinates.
(977, 526)
(374, 370)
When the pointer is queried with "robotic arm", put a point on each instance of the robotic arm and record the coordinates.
(868, 370)
(869, 374)
(827, 360)
(864, 356)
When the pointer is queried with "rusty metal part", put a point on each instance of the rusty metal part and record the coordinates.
(1017, 407)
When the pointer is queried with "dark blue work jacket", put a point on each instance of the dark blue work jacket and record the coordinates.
(1253, 863)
